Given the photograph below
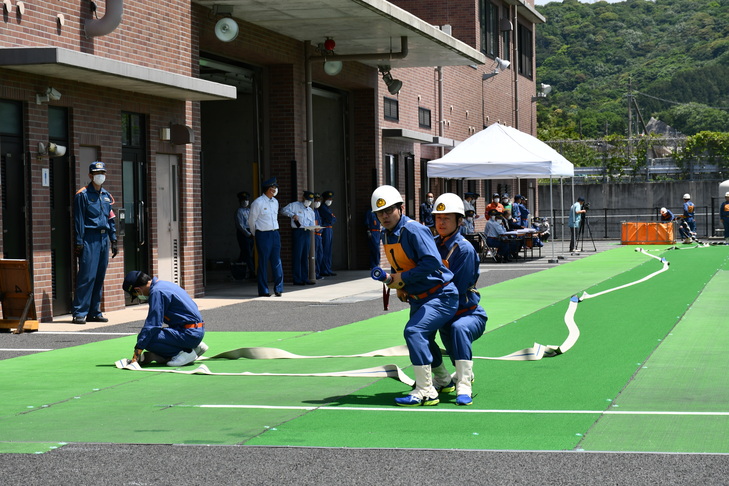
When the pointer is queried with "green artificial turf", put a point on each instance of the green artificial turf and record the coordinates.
(77, 395)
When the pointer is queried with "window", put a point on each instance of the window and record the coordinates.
(525, 52)
(132, 130)
(391, 170)
(506, 40)
(424, 117)
(489, 28)
(391, 109)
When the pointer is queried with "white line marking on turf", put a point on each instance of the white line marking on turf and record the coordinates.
(469, 410)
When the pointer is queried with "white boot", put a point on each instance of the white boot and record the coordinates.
(424, 392)
(442, 380)
(464, 378)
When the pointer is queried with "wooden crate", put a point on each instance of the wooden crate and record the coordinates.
(16, 294)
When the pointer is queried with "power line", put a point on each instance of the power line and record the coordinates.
(677, 102)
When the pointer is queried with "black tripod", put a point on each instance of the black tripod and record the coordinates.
(581, 234)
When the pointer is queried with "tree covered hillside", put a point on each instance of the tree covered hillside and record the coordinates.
(671, 55)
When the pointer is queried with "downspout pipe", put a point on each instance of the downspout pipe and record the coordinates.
(106, 24)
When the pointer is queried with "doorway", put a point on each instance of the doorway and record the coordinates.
(168, 224)
(12, 173)
(135, 226)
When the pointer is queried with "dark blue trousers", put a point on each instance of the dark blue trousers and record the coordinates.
(269, 252)
(327, 234)
(302, 245)
(91, 272)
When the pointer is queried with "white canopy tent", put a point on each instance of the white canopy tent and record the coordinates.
(501, 152)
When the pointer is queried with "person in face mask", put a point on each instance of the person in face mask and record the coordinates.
(495, 204)
(328, 219)
(318, 240)
(179, 343)
(426, 212)
(302, 223)
(263, 223)
(244, 235)
(95, 232)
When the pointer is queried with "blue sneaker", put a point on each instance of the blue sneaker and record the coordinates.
(449, 388)
(413, 401)
(464, 400)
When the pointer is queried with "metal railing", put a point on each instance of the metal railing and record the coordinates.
(606, 223)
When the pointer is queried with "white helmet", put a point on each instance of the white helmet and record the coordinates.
(687, 196)
(449, 203)
(385, 196)
(663, 210)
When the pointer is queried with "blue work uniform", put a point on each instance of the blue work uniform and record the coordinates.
(433, 298)
(426, 214)
(688, 216)
(373, 238)
(667, 217)
(95, 225)
(302, 239)
(318, 245)
(724, 214)
(245, 239)
(169, 304)
(494, 231)
(328, 219)
(263, 221)
(469, 322)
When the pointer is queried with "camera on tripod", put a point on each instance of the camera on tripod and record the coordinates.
(586, 206)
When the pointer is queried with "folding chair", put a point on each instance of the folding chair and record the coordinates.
(487, 251)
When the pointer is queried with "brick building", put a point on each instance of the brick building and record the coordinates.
(185, 120)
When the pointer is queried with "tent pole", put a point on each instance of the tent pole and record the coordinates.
(551, 208)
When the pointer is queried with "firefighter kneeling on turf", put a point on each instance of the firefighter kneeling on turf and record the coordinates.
(420, 278)
(181, 342)
(469, 322)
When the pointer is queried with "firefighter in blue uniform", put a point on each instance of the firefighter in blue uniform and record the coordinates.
(318, 245)
(327, 221)
(373, 238)
(688, 217)
(421, 279)
(263, 223)
(179, 343)
(469, 322)
(724, 214)
(95, 226)
(246, 243)
(302, 217)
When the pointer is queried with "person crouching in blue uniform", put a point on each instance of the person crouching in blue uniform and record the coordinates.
(469, 322)
(95, 225)
(179, 343)
(422, 280)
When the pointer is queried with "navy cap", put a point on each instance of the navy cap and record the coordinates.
(496, 194)
(317, 195)
(269, 182)
(131, 281)
(472, 194)
(97, 166)
(308, 195)
(243, 196)
(518, 196)
(506, 194)
(581, 199)
(327, 194)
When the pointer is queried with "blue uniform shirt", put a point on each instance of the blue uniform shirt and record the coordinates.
(306, 214)
(326, 215)
(463, 262)
(92, 211)
(169, 304)
(418, 245)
